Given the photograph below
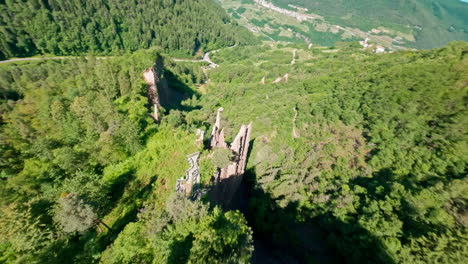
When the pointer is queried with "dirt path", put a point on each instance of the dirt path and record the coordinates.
(293, 61)
(294, 132)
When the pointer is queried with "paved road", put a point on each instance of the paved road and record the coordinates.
(206, 58)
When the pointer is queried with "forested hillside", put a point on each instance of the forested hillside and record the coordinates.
(81, 160)
(73, 27)
(369, 148)
(355, 157)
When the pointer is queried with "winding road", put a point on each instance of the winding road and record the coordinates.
(206, 58)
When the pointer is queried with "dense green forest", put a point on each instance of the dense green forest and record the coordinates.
(73, 27)
(432, 22)
(355, 157)
(81, 157)
(371, 148)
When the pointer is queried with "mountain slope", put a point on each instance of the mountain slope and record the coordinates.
(369, 147)
(354, 157)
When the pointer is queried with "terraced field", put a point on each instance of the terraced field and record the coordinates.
(395, 26)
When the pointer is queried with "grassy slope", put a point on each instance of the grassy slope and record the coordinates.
(147, 176)
(366, 126)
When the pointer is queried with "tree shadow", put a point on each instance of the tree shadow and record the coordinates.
(278, 236)
(382, 184)
(131, 205)
(117, 188)
(180, 250)
(83, 247)
(288, 235)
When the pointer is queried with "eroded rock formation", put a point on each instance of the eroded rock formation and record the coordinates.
(151, 77)
(217, 134)
(285, 78)
(191, 180)
(200, 135)
(158, 91)
(226, 180)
